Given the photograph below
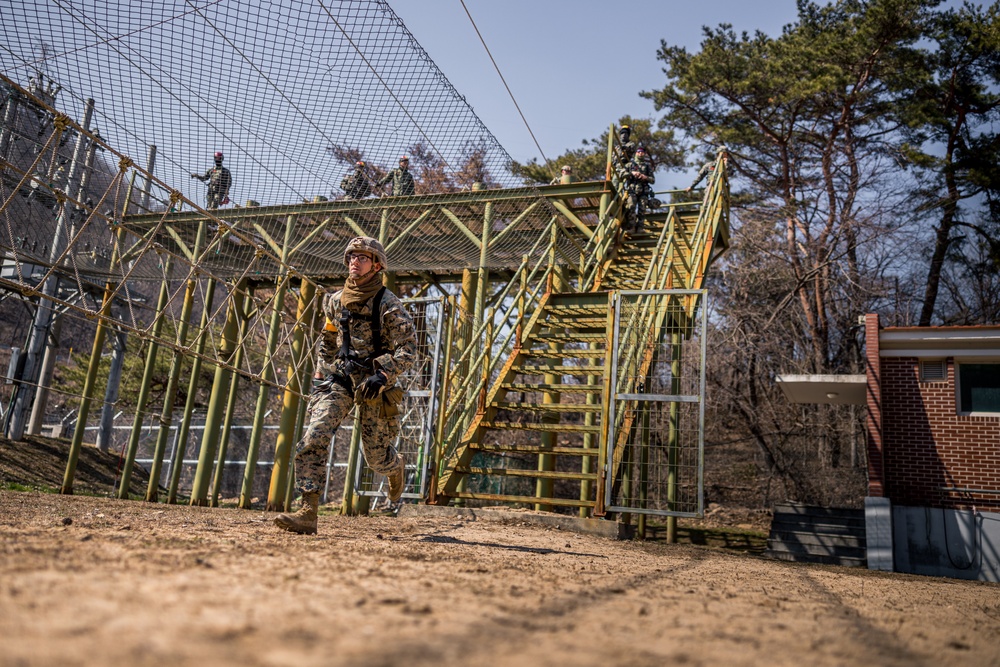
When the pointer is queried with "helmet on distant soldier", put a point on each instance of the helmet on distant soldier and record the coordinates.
(625, 131)
(218, 156)
(359, 164)
(405, 158)
(640, 149)
(367, 245)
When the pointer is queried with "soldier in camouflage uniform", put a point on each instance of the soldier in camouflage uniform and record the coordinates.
(638, 177)
(219, 181)
(565, 176)
(356, 184)
(708, 169)
(402, 179)
(623, 151)
(361, 368)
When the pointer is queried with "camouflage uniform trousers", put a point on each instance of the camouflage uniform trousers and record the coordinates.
(327, 409)
(215, 198)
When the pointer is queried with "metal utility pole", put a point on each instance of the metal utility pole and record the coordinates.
(46, 307)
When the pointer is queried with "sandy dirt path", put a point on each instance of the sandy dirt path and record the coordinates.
(94, 581)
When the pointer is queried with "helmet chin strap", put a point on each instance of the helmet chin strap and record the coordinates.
(371, 272)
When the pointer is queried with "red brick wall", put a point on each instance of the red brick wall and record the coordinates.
(928, 445)
(876, 486)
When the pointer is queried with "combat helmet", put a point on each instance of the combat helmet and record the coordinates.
(369, 245)
(625, 131)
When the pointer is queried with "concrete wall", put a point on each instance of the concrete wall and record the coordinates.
(961, 544)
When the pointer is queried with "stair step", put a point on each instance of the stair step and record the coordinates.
(552, 388)
(573, 309)
(549, 407)
(554, 427)
(559, 502)
(579, 371)
(533, 449)
(600, 337)
(598, 329)
(537, 474)
(576, 323)
(554, 354)
(585, 299)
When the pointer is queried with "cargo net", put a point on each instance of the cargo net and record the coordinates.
(658, 449)
(98, 228)
(311, 105)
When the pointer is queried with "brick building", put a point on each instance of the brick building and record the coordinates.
(932, 396)
(933, 400)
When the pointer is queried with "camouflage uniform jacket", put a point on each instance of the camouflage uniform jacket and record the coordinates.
(402, 182)
(399, 341)
(635, 185)
(706, 170)
(219, 179)
(622, 154)
(356, 185)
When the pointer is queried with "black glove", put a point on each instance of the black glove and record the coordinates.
(371, 386)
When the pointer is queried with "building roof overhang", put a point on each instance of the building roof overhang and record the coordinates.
(824, 389)
(974, 341)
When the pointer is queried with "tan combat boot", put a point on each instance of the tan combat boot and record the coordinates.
(397, 479)
(303, 521)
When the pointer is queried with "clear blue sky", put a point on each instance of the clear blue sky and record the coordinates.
(574, 66)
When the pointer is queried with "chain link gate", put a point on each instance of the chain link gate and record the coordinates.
(420, 387)
(656, 414)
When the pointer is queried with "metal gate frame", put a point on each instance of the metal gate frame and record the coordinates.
(699, 398)
(422, 465)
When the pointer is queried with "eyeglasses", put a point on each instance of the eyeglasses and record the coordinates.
(357, 256)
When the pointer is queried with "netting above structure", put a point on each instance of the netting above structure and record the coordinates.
(274, 86)
(294, 93)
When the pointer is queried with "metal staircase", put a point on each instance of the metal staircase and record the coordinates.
(539, 435)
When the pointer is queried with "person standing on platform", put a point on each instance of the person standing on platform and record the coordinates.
(219, 181)
(402, 179)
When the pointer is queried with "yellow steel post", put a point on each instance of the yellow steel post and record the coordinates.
(177, 463)
(644, 462)
(347, 503)
(167, 414)
(220, 390)
(95, 360)
(589, 419)
(227, 422)
(283, 449)
(673, 435)
(546, 462)
(267, 373)
(147, 378)
(445, 385)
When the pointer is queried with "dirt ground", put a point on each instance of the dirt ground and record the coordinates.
(95, 581)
